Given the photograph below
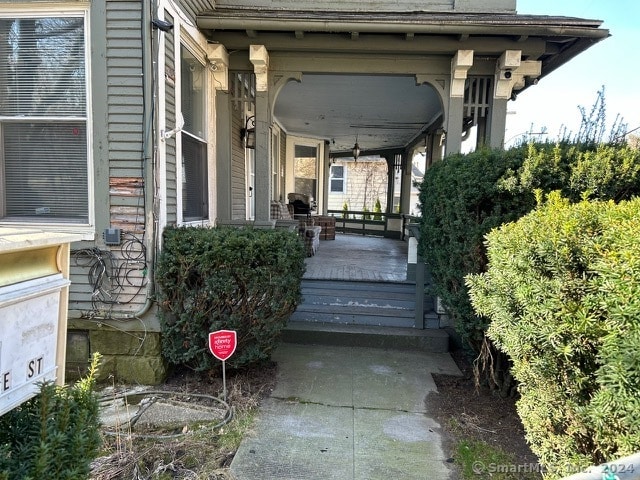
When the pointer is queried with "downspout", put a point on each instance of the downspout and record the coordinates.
(148, 150)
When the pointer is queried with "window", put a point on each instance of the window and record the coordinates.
(337, 179)
(305, 166)
(43, 119)
(195, 192)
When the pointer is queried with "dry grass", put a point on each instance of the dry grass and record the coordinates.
(202, 451)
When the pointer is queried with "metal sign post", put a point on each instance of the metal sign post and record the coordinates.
(222, 345)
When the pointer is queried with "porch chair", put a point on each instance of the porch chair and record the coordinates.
(308, 232)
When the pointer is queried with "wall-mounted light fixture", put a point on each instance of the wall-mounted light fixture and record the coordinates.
(248, 133)
(161, 25)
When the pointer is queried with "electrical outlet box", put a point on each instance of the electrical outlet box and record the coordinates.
(111, 236)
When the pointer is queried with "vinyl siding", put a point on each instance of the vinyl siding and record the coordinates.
(170, 108)
(238, 181)
(123, 289)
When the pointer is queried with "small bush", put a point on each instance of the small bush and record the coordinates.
(377, 210)
(562, 290)
(247, 280)
(345, 210)
(55, 435)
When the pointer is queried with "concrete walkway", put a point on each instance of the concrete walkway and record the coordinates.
(347, 413)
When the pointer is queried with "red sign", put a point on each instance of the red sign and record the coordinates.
(223, 343)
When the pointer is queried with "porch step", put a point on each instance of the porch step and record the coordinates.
(430, 340)
(360, 303)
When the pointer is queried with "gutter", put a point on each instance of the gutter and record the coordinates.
(251, 22)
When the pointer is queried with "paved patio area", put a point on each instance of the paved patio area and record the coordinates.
(359, 258)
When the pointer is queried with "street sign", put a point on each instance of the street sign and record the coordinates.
(223, 343)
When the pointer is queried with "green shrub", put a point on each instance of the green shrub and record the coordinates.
(377, 210)
(55, 435)
(463, 197)
(345, 210)
(562, 290)
(365, 215)
(247, 280)
(461, 202)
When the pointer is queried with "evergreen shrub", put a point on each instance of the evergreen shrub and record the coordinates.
(562, 291)
(463, 197)
(461, 201)
(377, 210)
(345, 210)
(55, 435)
(209, 279)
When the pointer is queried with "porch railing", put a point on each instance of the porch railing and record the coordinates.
(389, 225)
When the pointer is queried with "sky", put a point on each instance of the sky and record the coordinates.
(613, 63)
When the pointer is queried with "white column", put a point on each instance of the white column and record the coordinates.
(260, 58)
(460, 64)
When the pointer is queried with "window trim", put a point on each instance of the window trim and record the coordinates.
(81, 10)
(183, 40)
(343, 179)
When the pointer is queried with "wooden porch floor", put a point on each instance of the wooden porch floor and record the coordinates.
(359, 258)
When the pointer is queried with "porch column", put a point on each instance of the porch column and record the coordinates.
(219, 66)
(223, 155)
(390, 182)
(460, 65)
(504, 80)
(510, 76)
(405, 192)
(260, 58)
(497, 123)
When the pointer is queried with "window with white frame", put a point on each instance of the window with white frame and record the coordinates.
(337, 179)
(43, 118)
(195, 192)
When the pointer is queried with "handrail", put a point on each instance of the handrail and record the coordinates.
(365, 222)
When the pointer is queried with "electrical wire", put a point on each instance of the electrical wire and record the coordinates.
(114, 279)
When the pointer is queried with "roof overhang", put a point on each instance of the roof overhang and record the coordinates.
(565, 37)
(552, 40)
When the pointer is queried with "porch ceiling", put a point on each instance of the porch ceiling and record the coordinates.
(383, 112)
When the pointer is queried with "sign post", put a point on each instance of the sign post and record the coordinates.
(222, 345)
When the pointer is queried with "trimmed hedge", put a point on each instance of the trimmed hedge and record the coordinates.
(463, 197)
(562, 290)
(55, 435)
(462, 200)
(247, 280)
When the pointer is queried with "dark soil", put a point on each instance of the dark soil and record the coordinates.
(466, 412)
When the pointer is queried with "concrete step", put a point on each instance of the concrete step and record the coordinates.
(400, 338)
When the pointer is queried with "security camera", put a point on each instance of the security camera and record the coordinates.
(162, 25)
(507, 74)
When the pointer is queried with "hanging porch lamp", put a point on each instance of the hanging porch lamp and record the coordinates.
(356, 150)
